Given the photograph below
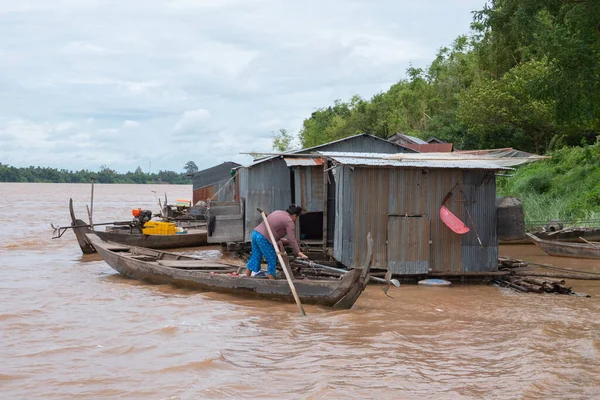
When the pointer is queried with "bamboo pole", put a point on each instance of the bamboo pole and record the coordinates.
(282, 262)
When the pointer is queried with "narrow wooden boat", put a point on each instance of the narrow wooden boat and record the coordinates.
(567, 249)
(563, 235)
(161, 267)
(194, 236)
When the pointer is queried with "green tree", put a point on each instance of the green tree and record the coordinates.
(282, 141)
(190, 167)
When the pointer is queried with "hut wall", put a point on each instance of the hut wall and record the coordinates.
(266, 185)
(207, 182)
(400, 207)
(479, 188)
(225, 190)
(308, 182)
(363, 144)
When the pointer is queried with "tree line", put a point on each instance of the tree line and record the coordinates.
(527, 76)
(103, 175)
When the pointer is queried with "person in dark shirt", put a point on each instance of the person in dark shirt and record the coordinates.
(282, 226)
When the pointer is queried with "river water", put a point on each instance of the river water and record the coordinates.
(71, 327)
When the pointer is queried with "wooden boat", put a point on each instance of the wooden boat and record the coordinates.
(161, 267)
(567, 249)
(133, 236)
(563, 235)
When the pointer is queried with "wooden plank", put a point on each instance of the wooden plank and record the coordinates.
(191, 263)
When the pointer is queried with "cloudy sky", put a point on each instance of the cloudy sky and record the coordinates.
(157, 83)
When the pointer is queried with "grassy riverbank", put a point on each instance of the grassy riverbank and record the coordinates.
(565, 187)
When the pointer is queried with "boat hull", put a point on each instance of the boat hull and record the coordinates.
(341, 293)
(193, 238)
(567, 249)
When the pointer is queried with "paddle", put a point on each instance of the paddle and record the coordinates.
(282, 262)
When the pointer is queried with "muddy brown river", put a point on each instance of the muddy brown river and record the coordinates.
(71, 327)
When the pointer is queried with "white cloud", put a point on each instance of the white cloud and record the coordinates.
(130, 124)
(191, 121)
(95, 82)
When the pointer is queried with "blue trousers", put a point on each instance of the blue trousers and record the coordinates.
(261, 247)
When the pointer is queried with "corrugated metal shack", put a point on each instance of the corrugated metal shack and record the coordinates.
(273, 183)
(215, 181)
(398, 200)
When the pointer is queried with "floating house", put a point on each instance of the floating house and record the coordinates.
(274, 182)
(364, 184)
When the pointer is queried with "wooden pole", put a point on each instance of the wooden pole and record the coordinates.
(91, 210)
(282, 262)
(588, 242)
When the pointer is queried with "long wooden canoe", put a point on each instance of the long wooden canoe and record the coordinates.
(563, 235)
(161, 267)
(567, 249)
(134, 237)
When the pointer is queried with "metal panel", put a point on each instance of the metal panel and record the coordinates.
(408, 245)
(479, 188)
(376, 193)
(309, 188)
(445, 251)
(212, 175)
(421, 160)
(224, 190)
(225, 222)
(268, 187)
(304, 162)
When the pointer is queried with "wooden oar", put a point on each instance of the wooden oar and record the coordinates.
(588, 242)
(282, 262)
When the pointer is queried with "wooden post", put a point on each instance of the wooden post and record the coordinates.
(91, 209)
(282, 262)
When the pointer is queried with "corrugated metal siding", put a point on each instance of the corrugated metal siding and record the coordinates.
(445, 251)
(213, 175)
(480, 191)
(408, 244)
(363, 144)
(267, 186)
(225, 190)
(344, 229)
(309, 188)
(376, 193)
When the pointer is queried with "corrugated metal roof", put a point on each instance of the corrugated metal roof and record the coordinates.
(414, 161)
(431, 147)
(302, 162)
(328, 144)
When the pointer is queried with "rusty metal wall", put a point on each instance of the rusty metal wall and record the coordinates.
(267, 186)
(225, 190)
(479, 188)
(367, 196)
(308, 182)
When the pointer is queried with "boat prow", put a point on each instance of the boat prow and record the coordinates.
(588, 250)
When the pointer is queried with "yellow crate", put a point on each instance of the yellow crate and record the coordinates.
(158, 228)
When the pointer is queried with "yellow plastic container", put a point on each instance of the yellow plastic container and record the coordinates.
(158, 228)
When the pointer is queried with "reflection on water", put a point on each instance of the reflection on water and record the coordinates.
(71, 327)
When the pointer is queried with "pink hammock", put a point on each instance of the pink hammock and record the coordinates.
(451, 220)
